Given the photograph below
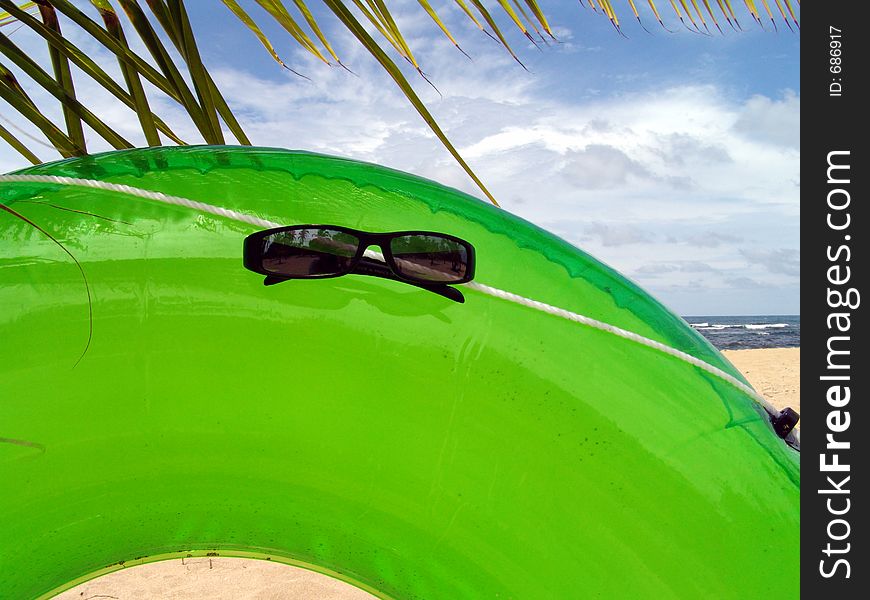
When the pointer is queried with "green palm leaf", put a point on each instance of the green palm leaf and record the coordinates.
(188, 82)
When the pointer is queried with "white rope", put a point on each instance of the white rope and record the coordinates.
(623, 333)
(147, 194)
(485, 289)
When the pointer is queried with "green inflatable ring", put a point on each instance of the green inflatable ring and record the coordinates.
(363, 428)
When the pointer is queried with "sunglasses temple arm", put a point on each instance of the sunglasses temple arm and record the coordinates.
(367, 266)
(377, 269)
(273, 279)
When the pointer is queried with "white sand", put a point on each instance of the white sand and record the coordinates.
(214, 579)
(774, 372)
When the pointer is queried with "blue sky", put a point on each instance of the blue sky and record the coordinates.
(672, 157)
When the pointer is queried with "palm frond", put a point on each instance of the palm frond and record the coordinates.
(147, 120)
(491, 22)
(62, 74)
(175, 68)
(434, 16)
(245, 18)
(282, 16)
(346, 17)
(539, 15)
(65, 96)
(312, 23)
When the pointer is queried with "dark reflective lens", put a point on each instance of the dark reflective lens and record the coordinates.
(429, 258)
(309, 252)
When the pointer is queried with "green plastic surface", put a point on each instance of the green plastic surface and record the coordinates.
(360, 427)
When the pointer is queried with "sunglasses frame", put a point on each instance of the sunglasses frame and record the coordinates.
(253, 253)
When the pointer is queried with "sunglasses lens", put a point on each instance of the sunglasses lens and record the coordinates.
(309, 252)
(430, 258)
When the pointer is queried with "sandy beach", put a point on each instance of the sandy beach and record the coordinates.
(775, 372)
(215, 579)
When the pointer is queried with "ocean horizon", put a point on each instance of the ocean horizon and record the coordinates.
(748, 332)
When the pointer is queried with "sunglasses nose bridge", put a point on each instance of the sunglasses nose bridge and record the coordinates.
(379, 254)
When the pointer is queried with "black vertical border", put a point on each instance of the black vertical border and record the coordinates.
(832, 123)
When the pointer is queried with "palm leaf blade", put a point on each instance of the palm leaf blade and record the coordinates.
(278, 12)
(245, 18)
(12, 93)
(185, 43)
(38, 75)
(63, 76)
(434, 16)
(539, 15)
(362, 35)
(312, 23)
(491, 22)
(13, 141)
(131, 77)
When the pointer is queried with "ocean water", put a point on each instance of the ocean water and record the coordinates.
(741, 333)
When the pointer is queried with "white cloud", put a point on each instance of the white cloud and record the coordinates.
(654, 269)
(772, 121)
(779, 260)
(616, 234)
(600, 166)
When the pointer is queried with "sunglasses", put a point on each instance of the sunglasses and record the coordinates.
(425, 259)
